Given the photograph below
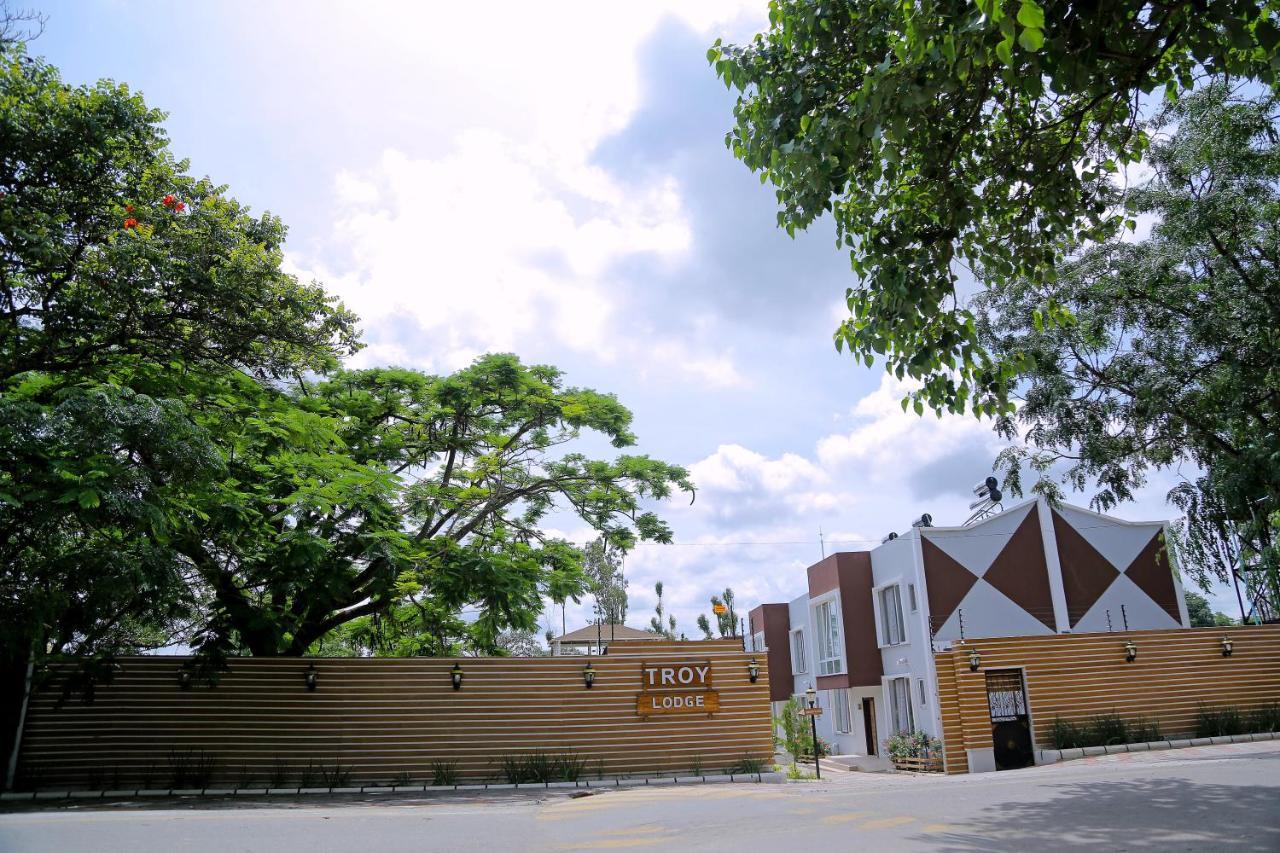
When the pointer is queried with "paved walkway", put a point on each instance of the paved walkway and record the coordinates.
(1205, 798)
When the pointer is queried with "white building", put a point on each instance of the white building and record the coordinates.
(864, 632)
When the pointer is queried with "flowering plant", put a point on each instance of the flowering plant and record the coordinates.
(912, 745)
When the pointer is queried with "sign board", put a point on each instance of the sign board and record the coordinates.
(812, 712)
(719, 609)
(679, 687)
(678, 702)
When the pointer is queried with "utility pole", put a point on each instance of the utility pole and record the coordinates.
(822, 545)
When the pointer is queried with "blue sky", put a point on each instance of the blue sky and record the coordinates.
(551, 180)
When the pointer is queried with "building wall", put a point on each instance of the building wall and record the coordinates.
(382, 717)
(1078, 676)
(899, 561)
(772, 620)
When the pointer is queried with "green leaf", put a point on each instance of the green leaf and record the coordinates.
(1030, 15)
(1031, 38)
(1004, 50)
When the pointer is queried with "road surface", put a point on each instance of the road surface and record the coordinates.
(1221, 798)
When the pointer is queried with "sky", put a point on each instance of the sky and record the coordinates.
(551, 180)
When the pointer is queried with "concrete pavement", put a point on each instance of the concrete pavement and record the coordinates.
(1219, 797)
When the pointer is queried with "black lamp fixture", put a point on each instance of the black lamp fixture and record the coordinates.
(1130, 651)
(312, 677)
(1227, 646)
(753, 670)
(184, 678)
(456, 675)
(975, 660)
(588, 675)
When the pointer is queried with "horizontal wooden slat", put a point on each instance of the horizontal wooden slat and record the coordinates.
(1078, 676)
(382, 718)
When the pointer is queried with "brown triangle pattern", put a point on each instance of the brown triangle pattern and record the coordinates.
(1151, 571)
(1086, 574)
(948, 582)
(1019, 571)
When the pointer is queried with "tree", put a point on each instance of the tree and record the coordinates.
(408, 497)
(947, 134)
(125, 284)
(660, 623)
(605, 582)
(1165, 349)
(704, 626)
(726, 622)
(1202, 615)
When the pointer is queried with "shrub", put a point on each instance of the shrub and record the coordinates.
(531, 767)
(1066, 735)
(1108, 730)
(190, 769)
(444, 773)
(403, 779)
(1143, 730)
(279, 773)
(335, 775)
(1219, 722)
(746, 765)
(697, 765)
(1264, 719)
(912, 745)
(569, 767)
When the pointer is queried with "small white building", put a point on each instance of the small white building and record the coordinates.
(594, 639)
(864, 632)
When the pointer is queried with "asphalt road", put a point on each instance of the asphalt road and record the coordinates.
(1221, 798)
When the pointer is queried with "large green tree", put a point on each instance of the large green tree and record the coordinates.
(407, 497)
(1166, 350)
(950, 134)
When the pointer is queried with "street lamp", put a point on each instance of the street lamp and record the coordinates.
(456, 675)
(753, 670)
(589, 675)
(811, 696)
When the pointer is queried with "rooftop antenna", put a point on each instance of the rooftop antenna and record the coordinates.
(821, 544)
(989, 497)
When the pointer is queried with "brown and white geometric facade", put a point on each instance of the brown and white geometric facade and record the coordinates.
(1033, 569)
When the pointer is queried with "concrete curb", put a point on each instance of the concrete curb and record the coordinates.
(770, 777)
(1053, 756)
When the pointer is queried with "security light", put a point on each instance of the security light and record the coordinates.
(975, 660)
(1130, 651)
(456, 675)
(753, 670)
(589, 675)
(1227, 647)
(312, 677)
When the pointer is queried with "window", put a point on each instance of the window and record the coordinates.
(830, 660)
(911, 594)
(923, 699)
(798, 662)
(843, 721)
(891, 629)
(901, 719)
(757, 642)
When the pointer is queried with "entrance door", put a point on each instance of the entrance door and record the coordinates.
(869, 723)
(1010, 722)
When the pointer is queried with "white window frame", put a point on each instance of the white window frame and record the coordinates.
(882, 638)
(894, 705)
(842, 715)
(834, 664)
(757, 642)
(799, 654)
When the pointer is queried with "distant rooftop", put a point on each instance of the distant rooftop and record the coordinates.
(590, 634)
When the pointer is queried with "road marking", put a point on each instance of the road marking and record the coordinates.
(936, 827)
(616, 843)
(844, 818)
(636, 830)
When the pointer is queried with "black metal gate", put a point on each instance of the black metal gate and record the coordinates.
(1010, 722)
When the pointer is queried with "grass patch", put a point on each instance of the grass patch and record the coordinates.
(1219, 722)
(444, 773)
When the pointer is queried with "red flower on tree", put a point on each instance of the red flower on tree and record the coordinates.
(131, 223)
(128, 208)
(180, 206)
(169, 201)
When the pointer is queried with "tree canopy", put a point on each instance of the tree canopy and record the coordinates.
(948, 134)
(184, 459)
(1167, 348)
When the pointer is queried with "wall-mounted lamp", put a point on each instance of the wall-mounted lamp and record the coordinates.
(456, 675)
(588, 675)
(753, 670)
(975, 660)
(1130, 651)
(184, 679)
(1227, 647)
(311, 677)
